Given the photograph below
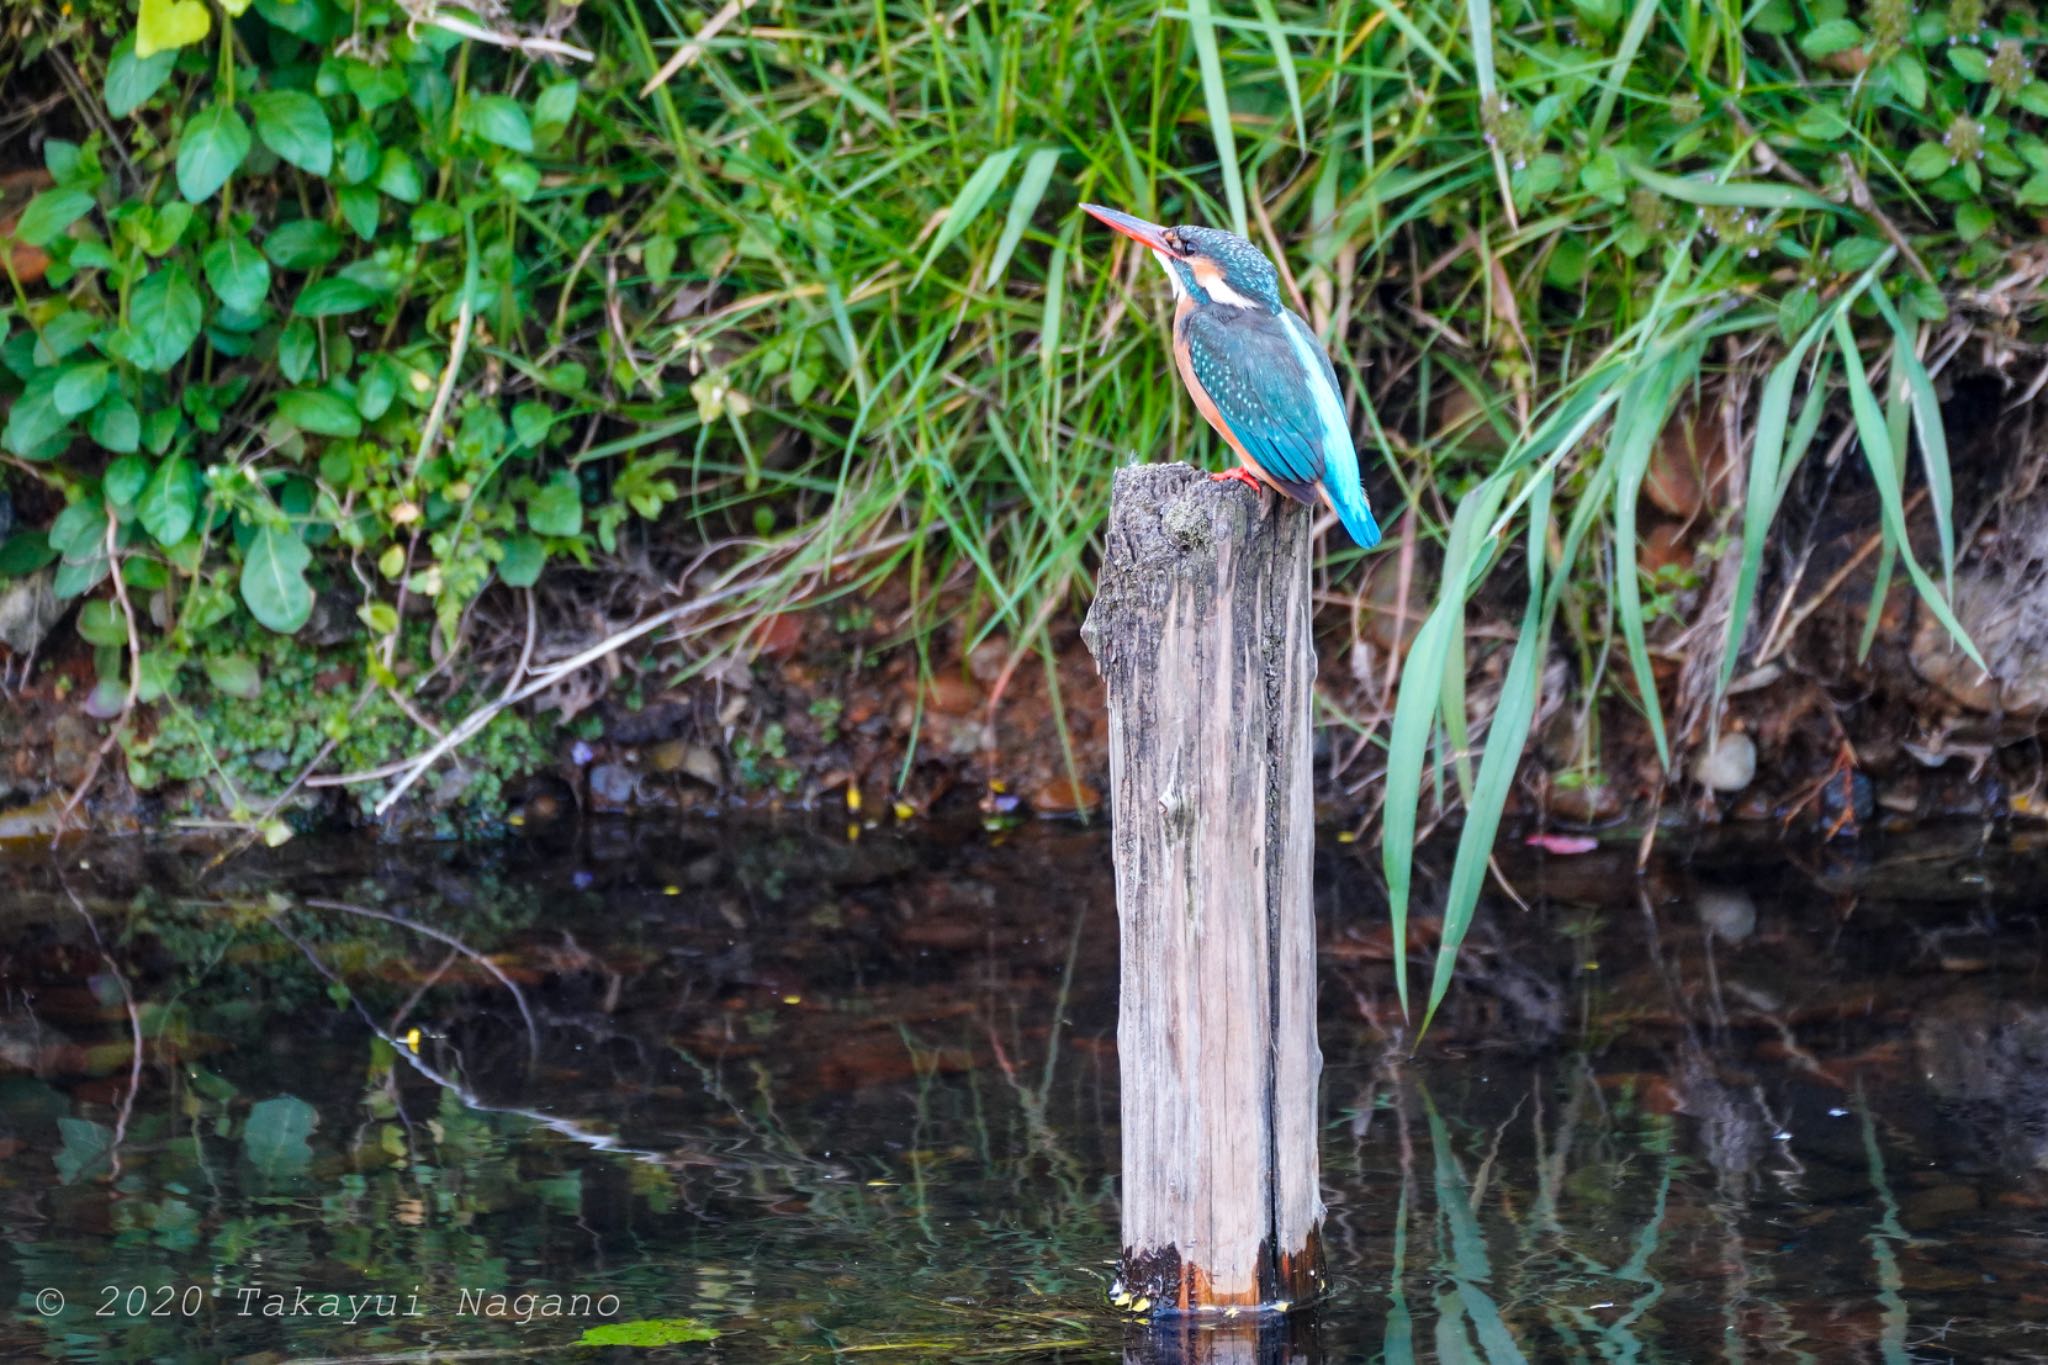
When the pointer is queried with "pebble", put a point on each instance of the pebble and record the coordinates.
(613, 784)
(692, 760)
(1728, 913)
(1061, 796)
(1729, 766)
(28, 609)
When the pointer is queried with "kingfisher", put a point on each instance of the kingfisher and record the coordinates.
(1254, 368)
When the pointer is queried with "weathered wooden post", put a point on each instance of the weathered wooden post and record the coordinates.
(1201, 627)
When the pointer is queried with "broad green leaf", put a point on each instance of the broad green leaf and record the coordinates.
(374, 86)
(114, 424)
(79, 531)
(297, 347)
(165, 25)
(34, 425)
(170, 501)
(499, 119)
(433, 221)
(378, 386)
(238, 273)
(1970, 63)
(64, 334)
(1830, 36)
(360, 208)
(524, 558)
(125, 480)
(332, 297)
(81, 386)
(1928, 160)
(302, 244)
(131, 80)
(399, 177)
(236, 675)
(292, 124)
(557, 509)
(274, 1138)
(49, 213)
(87, 1147)
(75, 578)
(24, 552)
(531, 422)
(156, 671)
(320, 412)
(1775, 18)
(164, 315)
(101, 623)
(213, 143)
(555, 107)
(274, 583)
(1909, 77)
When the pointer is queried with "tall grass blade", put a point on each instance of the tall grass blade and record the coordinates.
(1877, 453)
(1283, 62)
(1216, 95)
(1737, 194)
(1512, 715)
(968, 204)
(1636, 432)
(1927, 425)
(1766, 453)
(1038, 169)
(1415, 711)
(1420, 703)
(1469, 1267)
(1617, 70)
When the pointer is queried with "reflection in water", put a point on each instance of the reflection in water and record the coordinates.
(773, 1096)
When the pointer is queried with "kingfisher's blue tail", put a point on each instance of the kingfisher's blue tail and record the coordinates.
(1347, 495)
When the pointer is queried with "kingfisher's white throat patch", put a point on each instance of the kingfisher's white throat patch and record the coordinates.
(1215, 286)
(1173, 278)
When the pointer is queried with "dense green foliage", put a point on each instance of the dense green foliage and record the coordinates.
(344, 302)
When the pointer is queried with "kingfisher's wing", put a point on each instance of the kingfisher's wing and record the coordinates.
(1274, 386)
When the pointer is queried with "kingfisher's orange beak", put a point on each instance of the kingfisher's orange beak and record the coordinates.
(1137, 229)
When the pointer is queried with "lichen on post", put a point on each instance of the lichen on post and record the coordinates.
(1201, 628)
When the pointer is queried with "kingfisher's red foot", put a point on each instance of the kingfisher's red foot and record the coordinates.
(1243, 476)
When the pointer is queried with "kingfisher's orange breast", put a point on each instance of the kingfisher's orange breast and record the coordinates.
(1204, 404)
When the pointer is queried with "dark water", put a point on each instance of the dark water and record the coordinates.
(817, 1100)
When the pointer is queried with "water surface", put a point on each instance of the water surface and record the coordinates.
(770, 1095)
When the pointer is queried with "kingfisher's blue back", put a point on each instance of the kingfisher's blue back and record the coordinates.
(1254, 369)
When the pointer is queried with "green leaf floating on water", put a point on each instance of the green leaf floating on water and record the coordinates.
(648, 1332)
(86, 1148)
(275, 1136)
